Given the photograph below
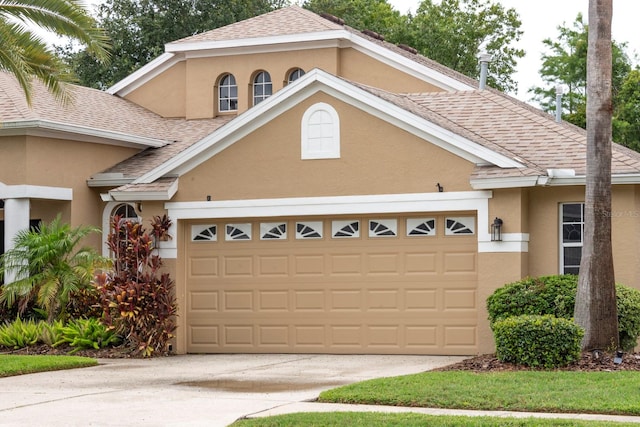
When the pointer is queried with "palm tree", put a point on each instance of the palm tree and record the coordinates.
(48, 267)
(25, 55)
(595, 308)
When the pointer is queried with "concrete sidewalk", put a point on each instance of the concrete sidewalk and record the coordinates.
(336, 407)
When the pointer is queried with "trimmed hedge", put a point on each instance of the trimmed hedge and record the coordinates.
(538, 341)
(555, 295)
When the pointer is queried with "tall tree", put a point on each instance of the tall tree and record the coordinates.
(451, 32)
(25, 55)
(595, 308)
(140, 29)
(566, 64)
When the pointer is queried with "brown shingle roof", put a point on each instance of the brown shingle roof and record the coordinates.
(286, 21)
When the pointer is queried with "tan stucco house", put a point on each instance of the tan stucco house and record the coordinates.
(330, 192)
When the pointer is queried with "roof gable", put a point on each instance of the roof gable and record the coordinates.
(312, 82)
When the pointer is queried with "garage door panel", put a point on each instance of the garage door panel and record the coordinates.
(385, 295)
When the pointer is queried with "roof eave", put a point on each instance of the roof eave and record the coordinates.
(48, 128)
(145, 195)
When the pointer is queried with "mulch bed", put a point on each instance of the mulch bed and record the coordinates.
(589, 362)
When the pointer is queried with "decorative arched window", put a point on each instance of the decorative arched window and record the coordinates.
(320, 132)
(227, 93)
(295, 74)
(262, 87)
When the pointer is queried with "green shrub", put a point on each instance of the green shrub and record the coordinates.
(20, 333)
(51, 334)
(555, 295)
(537, 341)
(628, 304)
(88, 333)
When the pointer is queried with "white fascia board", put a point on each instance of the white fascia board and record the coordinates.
(406, 65)
(511, 182)
(134, 196)
(35, 192)
(336, 205)
(617, 179)
(144, 74)
(312, 82)
(256, 41)
(51, 129)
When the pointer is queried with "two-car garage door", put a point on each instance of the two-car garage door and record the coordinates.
(375, 284)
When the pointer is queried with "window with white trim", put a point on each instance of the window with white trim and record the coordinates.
(349, 229)
(320, 132)
(295, 74)
(204, 233)
(421, 226)
(262, 87)
(571, 237)
(309, 230)
(237, 231)
(459, 225)
(383, 227)
(227, 93)
(273, 231)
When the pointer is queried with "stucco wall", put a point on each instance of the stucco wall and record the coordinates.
(376, 158)
(165, 94)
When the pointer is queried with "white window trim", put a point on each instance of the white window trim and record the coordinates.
(333, 152)
(563, 245)
(106, 223)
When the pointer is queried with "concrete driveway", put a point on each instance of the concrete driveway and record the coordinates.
(191, 390)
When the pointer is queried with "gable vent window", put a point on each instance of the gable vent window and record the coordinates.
(295, 75)
(421, 226)
(262, 87)
(345, 229)
(309, 230)
(273, 231)
(383, 228)
(459, 225)
(238, 231)
(320, 133)
(227, 93)
(204, 233)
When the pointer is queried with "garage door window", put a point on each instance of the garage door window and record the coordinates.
(383, 228)
(421, 226)
(238, 232)
(273, 231)
(309, 230)
(345, 229)
(204, 233)
(460, 225)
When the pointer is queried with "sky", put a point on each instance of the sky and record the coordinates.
(540, 20)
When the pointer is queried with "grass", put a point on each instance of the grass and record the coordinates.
(377, 419)
(535, 391)
(18, 364)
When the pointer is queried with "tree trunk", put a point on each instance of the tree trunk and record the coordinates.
(595, 307)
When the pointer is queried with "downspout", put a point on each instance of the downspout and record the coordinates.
(484, 59)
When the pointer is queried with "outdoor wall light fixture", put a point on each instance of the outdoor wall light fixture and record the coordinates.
(208, 198)
(496, 230)
(440, 188)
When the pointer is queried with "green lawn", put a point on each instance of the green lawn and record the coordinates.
(371, 419)
(529, 391)
(536, 391)
(17, 364)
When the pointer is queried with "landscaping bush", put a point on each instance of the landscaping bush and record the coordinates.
(137, 300)
(537, 341)
(555, 295)
(52, 334)
(88, 333)
(20, 333)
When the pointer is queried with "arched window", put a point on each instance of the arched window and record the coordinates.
(227, 93)
(320, 132)
(262, 87)
(295, 74)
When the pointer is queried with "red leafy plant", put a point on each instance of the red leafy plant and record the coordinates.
(137, 299)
